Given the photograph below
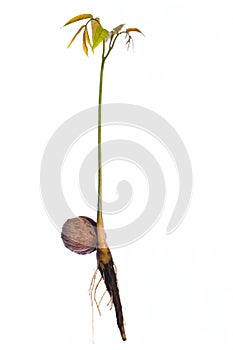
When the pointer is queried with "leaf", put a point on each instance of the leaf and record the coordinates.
(102, 35)
(85, 49)
(118, 28)
(75, 35)
(128, 42)
(87, 37)
(98, 34)
(133, 30)
(78, 18)
(94, 25)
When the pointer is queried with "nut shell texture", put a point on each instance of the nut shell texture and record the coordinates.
(80, 235)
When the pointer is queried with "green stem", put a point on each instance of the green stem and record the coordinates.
(104, 57)
(99, 207)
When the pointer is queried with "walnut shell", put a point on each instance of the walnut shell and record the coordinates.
(80, 235)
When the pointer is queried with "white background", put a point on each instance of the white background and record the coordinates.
(177, 290)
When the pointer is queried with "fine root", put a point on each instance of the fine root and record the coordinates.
(102, 298)
(96, 302)
(92, 282)
(92, 304)
(110, 303)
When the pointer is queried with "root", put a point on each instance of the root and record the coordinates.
(93, 291)
(96, 302)
(109, 276)
(102, 298)
(108, 271)
(111, 303)
(92, 304)
(92, 282)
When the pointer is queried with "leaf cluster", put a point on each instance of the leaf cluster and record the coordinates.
(94, 33)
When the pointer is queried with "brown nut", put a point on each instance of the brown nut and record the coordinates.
(80, 235)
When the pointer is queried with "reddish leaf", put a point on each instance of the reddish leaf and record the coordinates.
(85, 49)
(118, 28)
(87, 37)
(133, 30)
(75, 36)
(78, 18)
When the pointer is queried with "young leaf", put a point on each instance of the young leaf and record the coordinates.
(87, 37)
(118, 28)
(78, 18)
(75, 35)
(98, 35)
(129, 41)
(94, 25)
(133, 30)
(85, 49)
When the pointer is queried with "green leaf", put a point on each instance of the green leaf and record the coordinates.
(98, 34)
(133, 30)
(118, 28)
(85, 49)
(78, 18)
(102, 35)
(74, 37)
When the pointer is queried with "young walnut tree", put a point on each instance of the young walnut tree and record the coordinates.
(83, 235)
